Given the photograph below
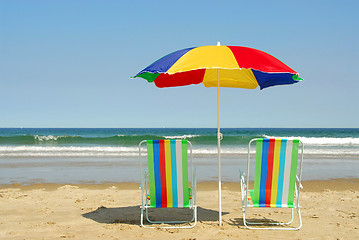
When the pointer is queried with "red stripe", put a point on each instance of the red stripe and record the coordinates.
(258, 60)
(161, 144)
(180, 79)
(269, 172)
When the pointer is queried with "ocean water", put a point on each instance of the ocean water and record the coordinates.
(111, 142)
(110, 154)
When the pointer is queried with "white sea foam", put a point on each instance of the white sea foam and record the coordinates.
(53, 151)
(181, 137)
(329, 141)
(105, 151)
(41, 138)
(46, 138)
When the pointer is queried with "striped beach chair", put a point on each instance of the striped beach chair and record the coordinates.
(277, 180)
(165, 184)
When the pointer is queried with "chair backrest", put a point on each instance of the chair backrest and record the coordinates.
(168, 173)
(275, 172)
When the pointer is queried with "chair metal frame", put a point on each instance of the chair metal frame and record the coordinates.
(244, 179)
(145, 205)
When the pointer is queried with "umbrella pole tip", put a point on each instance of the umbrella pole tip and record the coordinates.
(218, 43)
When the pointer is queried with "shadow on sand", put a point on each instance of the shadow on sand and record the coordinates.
(131, 214)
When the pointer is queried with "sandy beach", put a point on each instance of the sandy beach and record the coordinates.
(111, 211)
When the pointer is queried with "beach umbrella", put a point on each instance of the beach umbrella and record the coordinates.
(219, 66)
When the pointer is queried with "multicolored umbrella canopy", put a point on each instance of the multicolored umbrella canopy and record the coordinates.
(239, 67)
(219, 66)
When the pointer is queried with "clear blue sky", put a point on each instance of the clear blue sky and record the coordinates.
(68, 63)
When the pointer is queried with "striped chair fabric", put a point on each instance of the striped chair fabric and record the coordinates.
(168, 173)
(275, 173)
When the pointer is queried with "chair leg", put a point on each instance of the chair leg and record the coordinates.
(195, 216)
(194, 220)
(142, 217)
(287, 223)
(300, 219)
(246, 223)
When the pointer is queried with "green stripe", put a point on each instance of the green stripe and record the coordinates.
(151, 173)
(185, 174)
(257, 174)
(150, 77)
(297, 78)
(293, 172)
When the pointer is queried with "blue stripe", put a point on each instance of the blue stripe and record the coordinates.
(264, 167)
(174, 173)
(165, 63)
(156, 159)
(272, 79)
(283, 149)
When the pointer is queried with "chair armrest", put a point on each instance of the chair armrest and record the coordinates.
(143, 179)
(243, 188)
(241, 174)
(194, 180)
(194, 186)
(241, 179)
(300, 184)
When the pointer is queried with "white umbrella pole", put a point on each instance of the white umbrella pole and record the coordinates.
(219, 137)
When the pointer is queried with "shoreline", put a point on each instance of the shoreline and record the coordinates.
(338, 184)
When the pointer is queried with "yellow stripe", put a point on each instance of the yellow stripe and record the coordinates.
(273, 200)
(233, 78)
(168, 173)
(205, 57)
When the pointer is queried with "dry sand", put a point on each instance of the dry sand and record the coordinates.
(330, 210)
